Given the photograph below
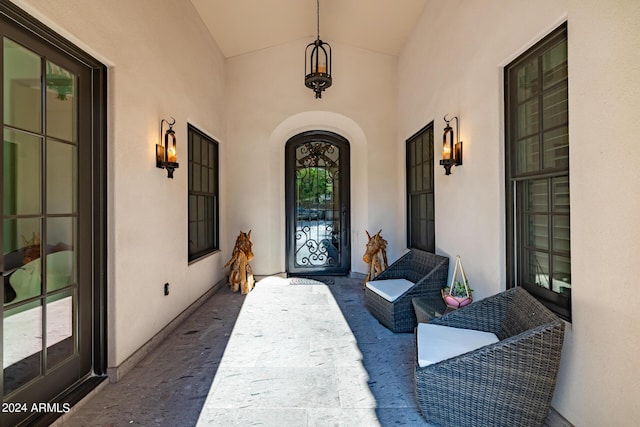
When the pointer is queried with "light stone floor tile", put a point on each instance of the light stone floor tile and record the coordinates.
(285, 355)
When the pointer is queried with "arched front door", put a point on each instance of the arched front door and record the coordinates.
(317, 204)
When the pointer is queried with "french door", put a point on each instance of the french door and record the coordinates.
(49, 228)
(317, 204)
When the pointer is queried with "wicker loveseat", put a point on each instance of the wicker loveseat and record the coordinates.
(427, 273)
(507, 383)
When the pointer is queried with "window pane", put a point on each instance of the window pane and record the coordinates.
(537, 231)
(419, 180)
(196, 177)
(554, 64)
(527, 81)
(560, 192)
(62, 109)
(528, 118)
(561, 234)
(562, 275)
(22, 87)
(196, 149)
(193, 237)
(193, 204)
(205, 179)
(427, 176)
(202, 232)
(412, 179)
(201, 208)
(204, 153)
(556, 148)
(427, 151)
(538, 269)
(537, 195)
(528, 155)
(555, 107)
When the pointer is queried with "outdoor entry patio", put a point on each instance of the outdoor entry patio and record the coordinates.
(293, 352)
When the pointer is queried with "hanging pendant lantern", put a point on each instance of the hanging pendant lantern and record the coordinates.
(317, 65)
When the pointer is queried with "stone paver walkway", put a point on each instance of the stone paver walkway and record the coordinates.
(293, 352)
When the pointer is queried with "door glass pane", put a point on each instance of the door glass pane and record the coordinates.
(62, 109)
(22, 87)
(22, 249)
(61, 254)
(21, 176)
(61, 178)
(60, 327)
(22, 345)
(317, 237)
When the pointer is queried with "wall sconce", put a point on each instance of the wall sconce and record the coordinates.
(167, 154)
(451, 150)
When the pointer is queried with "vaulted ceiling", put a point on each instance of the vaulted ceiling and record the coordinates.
(243, 26)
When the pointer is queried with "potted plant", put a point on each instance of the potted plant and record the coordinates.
(458, 294)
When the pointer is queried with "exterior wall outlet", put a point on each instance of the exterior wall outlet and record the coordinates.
(166, 289)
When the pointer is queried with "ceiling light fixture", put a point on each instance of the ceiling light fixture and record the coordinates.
(317, 63)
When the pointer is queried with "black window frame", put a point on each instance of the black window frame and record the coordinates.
(203, 203)
(416, 190)
(519, 182)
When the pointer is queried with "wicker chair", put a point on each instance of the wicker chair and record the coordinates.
(508, 383)
(429, 274)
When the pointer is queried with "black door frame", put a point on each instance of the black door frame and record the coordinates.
(345, 202)
(32, 31)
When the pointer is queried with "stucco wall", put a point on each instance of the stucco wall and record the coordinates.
(453, 64)
(162, 63)
(268, 103)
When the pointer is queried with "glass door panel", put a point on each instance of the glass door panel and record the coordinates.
(22, 345)
(22, 87)
(40, 220)
(22, 173)
(60, 328)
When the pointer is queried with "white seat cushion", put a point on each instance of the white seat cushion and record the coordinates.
(390, 289)
(437, 343)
